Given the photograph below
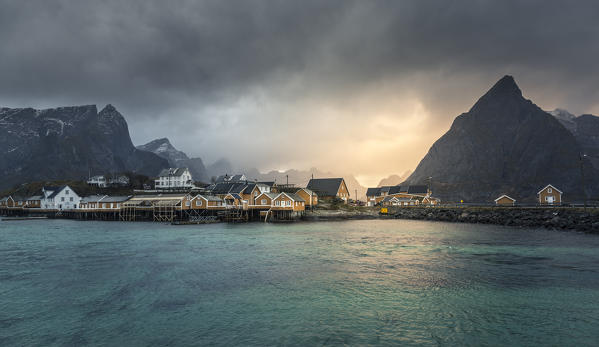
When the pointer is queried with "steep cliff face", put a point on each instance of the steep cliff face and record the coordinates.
(68, 143)
(504, 144)
(163, 148)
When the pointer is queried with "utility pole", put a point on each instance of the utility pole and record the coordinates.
(356, 197)
(584, 191)
(287, 176)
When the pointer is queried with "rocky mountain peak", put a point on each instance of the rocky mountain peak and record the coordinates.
(505, 93)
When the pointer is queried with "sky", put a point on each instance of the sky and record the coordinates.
(361, 87)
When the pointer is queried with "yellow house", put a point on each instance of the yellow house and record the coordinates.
(310, 198)
(550, 196)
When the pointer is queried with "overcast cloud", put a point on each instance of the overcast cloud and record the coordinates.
(348, 86)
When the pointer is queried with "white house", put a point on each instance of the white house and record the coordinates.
(174, 178)
(103, 182)
(59, 198)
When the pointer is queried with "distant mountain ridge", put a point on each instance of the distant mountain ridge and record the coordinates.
(68, 143)
(506, 144)
(163, 148)
(394, 180)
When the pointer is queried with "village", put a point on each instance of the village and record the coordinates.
(175, 198)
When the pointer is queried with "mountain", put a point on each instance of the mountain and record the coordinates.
(163, 148)
(505, 144)
(585, 129)
(68, 143)
(220, 167)
(301, 177)
(394, 180)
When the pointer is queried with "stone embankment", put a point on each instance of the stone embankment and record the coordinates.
(552, 218)
(565, 218)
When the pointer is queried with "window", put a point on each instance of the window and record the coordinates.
(71, 198)
(263, 201)
(549, 190)
(66, 191)
(187, 203)
(62, 199)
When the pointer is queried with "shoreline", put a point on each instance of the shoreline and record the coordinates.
(560, 218)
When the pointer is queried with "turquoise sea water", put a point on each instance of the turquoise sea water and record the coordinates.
(338, 283)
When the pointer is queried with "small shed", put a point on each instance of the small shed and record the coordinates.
(505, 200)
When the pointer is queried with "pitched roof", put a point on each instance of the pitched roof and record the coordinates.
(292, 196)
(270, 195)
(248, 189)
(237, 178)
(505, 196)
(373, 191)
(208, 197)
(178, 171)
(422, 189)
(308, 191)
(325, 186)
(56, 191)
(547, 186)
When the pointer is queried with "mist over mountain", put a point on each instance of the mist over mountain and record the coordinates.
(68, 143)
(394, 180)
(505, 144)
(163, 148)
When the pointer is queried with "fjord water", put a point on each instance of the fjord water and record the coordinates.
(382, 282)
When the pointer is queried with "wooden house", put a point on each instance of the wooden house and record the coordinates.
(90, 202)
(34, 201)
(288, 201)
(329, 188)
(265, 200)
(505, 200)
(310, 197)
(207, 202)
(234, 200)
(550, 196)
(7, 202)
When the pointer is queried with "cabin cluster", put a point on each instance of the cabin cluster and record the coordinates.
(229, 199)
(401, 196)
(548, 196)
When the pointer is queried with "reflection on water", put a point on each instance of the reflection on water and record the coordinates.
(356, 283)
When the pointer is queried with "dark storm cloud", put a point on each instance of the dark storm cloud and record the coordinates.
(220, 66)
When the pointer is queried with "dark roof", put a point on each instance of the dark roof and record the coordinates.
(385, 189)
(373, 191)
(325, 186)
(56, 191)
(417, 189)
(394, 190)
(236, 178)
(237, 188)
(222, 188)
(236, 196)
(248, 189)
(221, 179)
(52, 188)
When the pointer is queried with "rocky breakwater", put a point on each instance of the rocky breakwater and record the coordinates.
(552, 218)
